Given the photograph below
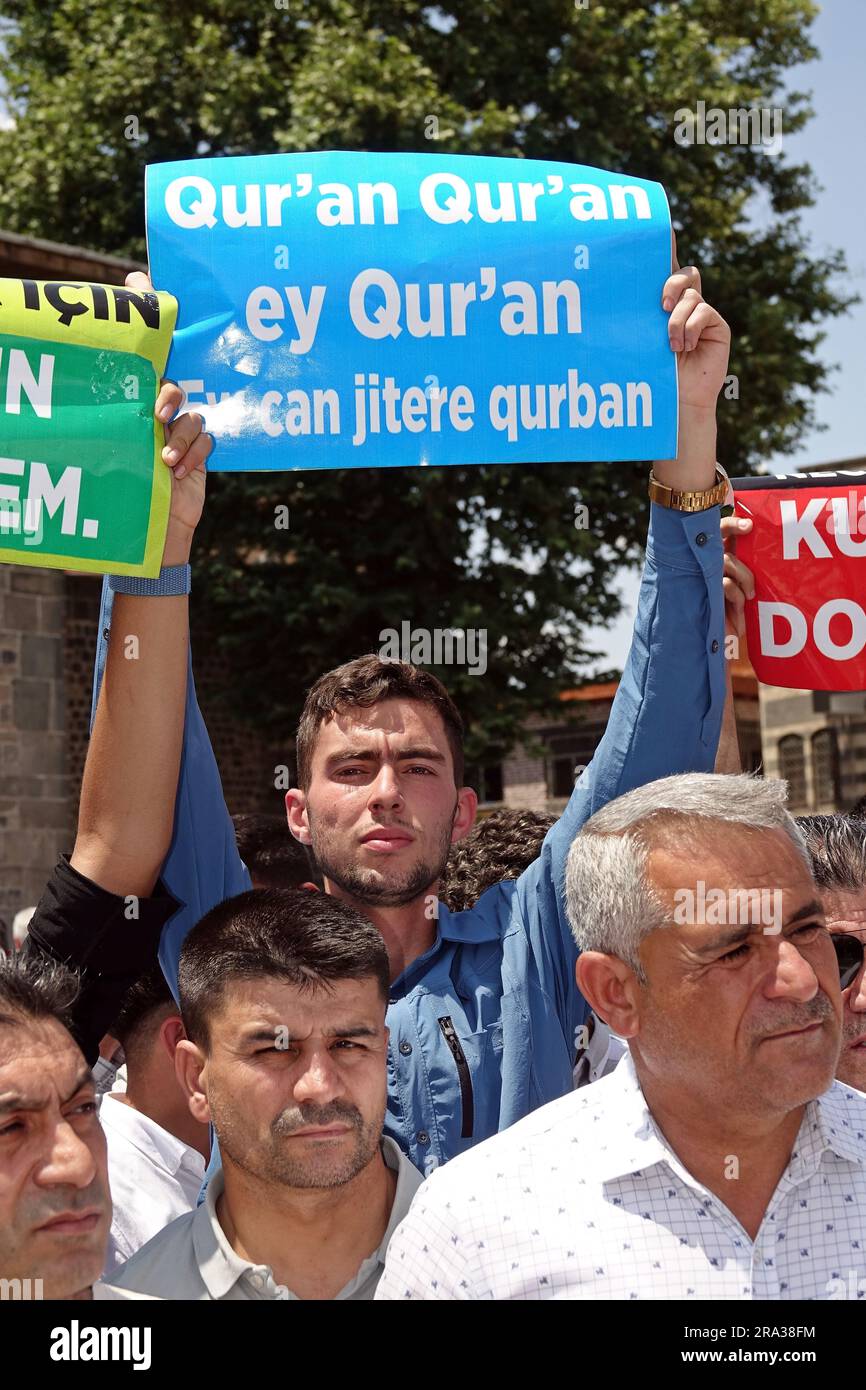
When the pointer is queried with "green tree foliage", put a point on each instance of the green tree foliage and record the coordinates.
(494, 547)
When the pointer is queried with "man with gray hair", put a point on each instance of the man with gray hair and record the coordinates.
(837, 845)
(720, 1159)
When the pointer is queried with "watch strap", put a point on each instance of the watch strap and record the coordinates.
(171, 582)
(689, 500)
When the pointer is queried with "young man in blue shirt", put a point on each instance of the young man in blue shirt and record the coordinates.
(484, 1013)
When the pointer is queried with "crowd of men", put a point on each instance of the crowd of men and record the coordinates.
(379, 1051)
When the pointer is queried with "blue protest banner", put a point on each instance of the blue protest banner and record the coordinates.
(346, 309)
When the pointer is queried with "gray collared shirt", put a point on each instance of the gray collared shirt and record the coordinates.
(192, 1259)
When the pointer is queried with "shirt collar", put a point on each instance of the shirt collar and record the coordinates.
(165, 1150)
(471, 928)
(479, 923)
(835, 1121)
(408, 1182)
(221, 1267)
(627, 1140)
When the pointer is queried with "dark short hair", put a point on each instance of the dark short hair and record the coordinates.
(837, 848)
(36, 987)
(308, 939)
(367, 681)
(270, 851)
(500, 846)
(142, 1003)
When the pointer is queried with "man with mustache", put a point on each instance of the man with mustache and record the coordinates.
(720, 1159)
(837, 845)
(283, 996)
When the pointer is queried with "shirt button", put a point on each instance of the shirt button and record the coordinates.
(405, 1048)
(106, 633)
(701, 538)
(423, 1137)
(715, 645)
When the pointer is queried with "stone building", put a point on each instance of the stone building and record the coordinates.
(540, 774)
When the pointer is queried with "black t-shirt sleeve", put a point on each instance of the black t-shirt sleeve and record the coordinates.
(110, 940)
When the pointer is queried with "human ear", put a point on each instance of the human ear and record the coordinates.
(612, 989)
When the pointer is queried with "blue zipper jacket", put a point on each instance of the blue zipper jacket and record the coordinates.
(483, 1025)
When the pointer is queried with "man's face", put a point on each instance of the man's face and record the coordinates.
(296, 1081)
(742, 1006)
(55, 1209)
(846, 912)
(382, 809)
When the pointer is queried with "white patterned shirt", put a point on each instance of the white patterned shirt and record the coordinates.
(585, 1199)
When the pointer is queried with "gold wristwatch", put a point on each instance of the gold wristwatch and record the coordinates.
(690, 501)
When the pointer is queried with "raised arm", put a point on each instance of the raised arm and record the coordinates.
(190, 835)
(99, 912)
(130, 777)
(667, 712)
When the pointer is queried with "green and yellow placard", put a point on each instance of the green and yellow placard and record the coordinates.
(82, 484)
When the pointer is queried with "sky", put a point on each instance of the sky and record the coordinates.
(834, 144)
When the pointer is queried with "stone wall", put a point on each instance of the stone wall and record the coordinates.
(246, 762)
(47, 641)
(35, 815)
(524, 783)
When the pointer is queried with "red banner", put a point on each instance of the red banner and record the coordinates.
(806, 626)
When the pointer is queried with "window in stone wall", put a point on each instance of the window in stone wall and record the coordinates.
(560, 776)
(793, 768)
(825, 767)
(486, 779)
(568, 754)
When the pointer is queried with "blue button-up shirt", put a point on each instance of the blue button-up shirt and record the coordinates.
(483, 1025)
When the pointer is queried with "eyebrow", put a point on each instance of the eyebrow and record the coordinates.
(12, 1100)
(372, 755)
(732, 938)
(361, 1030)
(812, 909)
